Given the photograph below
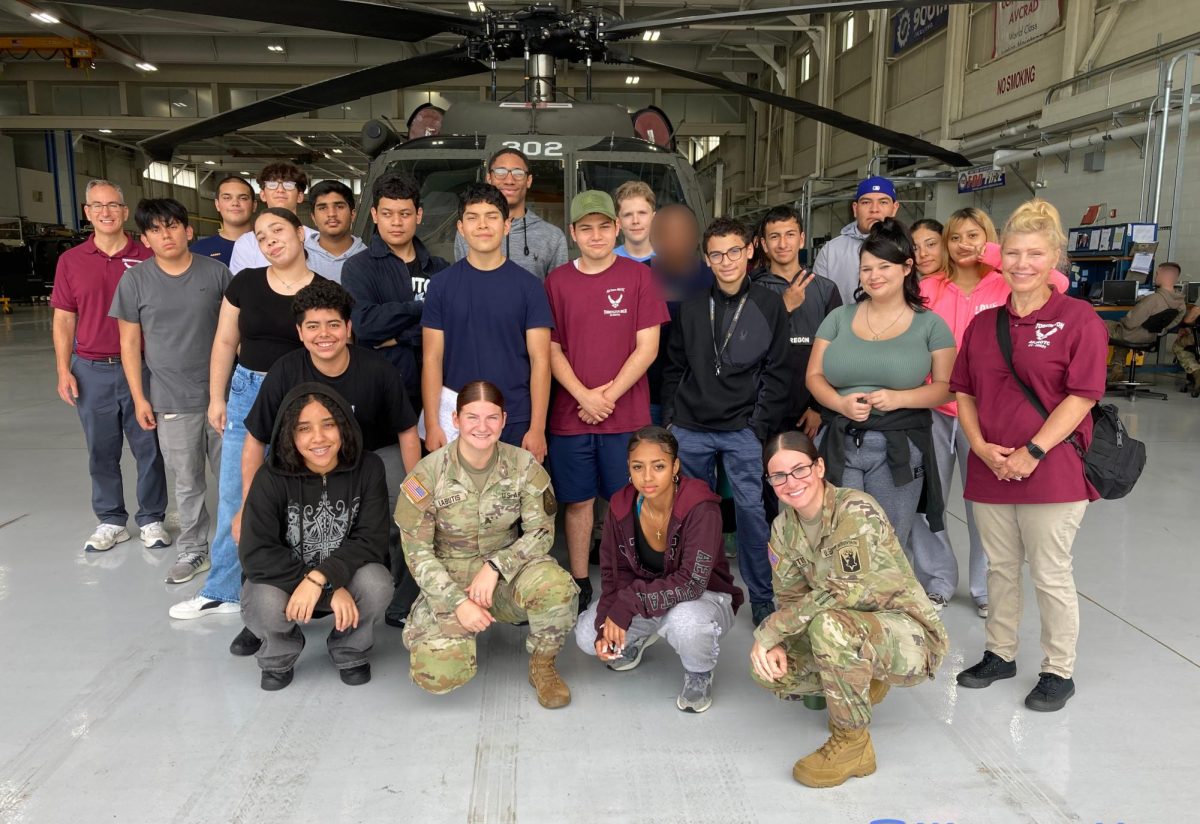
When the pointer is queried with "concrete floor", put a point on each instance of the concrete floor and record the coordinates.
(109, 711)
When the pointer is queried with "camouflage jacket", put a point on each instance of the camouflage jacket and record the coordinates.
(858, 565)
(445, 522)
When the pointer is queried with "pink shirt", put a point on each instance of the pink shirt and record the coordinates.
(596, 321)
(958, 309)
(85, 281)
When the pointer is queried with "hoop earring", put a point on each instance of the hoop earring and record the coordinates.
(676, 478)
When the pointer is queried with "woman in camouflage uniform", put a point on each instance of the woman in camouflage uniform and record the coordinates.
(852, 618)
(459, 514)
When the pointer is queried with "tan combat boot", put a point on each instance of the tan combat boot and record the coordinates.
(847, 754)
(552, 691)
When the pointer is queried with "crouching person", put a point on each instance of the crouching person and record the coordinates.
(852, 621)
(663, 571)
(315, 538)
(459, 512)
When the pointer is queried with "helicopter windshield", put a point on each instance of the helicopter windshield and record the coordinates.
(607, 175)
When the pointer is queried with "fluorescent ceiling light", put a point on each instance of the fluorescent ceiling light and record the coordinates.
(106, 131)
(44, 17)
(179, 104)
(337, 151)
(632, 79)
(210, 163)
(147, 67)
(275, 47)
(476, 7)
(651, 35)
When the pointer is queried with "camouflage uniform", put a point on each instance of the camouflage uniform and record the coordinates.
(449, 530)
(850, 609)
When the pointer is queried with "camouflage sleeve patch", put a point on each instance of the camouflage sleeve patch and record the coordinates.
(416, 495)
(548, 502)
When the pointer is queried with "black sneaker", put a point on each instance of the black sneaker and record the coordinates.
(991, 668)
(585, 593)
(246, 643)
(274, 681)
(1051, 693)
(761, 611)
(356, 676)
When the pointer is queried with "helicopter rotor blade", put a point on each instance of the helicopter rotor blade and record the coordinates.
(879, 134)
(413, 71)
(406, 23)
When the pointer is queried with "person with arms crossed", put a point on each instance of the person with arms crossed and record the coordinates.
(333, 214)
(635, 203)
(235, 205)
(874, 200)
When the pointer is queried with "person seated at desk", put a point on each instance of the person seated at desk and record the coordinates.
(1129, 329)
(1184, 350)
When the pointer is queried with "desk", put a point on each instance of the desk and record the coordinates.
(1111, 312)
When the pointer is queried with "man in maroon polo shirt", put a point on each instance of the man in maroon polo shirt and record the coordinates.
(87, 353)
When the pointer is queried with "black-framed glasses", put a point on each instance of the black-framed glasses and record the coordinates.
(502, 172)
(734, 255)
(799, 473)
(288, 185)
(105, 207)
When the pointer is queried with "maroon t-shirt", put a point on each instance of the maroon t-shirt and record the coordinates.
(596, 321)
(1058, 350)
(85, 281)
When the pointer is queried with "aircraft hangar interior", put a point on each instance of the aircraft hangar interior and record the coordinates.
(723, 391)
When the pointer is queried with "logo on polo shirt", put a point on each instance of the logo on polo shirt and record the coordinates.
(615, 297)
(1043, 332)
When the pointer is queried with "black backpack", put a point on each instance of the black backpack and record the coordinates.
(1115, 460)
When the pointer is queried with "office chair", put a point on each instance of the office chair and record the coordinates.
(1157, 325)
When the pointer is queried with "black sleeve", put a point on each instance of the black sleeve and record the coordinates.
(265, 558)
(835, 299)
(675, 368)
(775, 380)
(260, 422)
(367, 540)
(398, 410)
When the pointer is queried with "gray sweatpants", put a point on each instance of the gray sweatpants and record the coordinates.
(692, 628)
(867, 469)
(186, 439)
(940, 571)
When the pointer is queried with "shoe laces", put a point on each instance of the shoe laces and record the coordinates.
(832, 746)
(108, 529)
(193, 558)
(695, 681)
(1048, 683)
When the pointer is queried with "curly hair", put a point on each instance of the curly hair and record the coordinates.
(322, 294)
(286, 454)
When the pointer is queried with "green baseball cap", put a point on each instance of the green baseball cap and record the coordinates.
(592, 202)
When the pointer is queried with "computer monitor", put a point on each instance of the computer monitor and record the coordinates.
(1192, 293)
(1119, 292)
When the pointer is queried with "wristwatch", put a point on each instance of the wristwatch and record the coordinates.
(1036, 451)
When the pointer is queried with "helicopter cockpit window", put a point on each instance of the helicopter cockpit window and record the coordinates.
(608, 175)
(546, 196)
(442, 179)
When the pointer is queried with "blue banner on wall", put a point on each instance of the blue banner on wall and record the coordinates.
(911, 26)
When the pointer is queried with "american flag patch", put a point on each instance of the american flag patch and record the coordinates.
(772, 556)
(415, 492)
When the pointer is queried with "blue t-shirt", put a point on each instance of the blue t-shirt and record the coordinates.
(484, 317)
(623, 252)
(215, 247)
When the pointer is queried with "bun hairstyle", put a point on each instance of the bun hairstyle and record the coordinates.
(889, 240)
(792, 440)
(479, 391)
(1037, 217)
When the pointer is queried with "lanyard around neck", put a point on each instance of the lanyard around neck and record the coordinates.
(712, 321)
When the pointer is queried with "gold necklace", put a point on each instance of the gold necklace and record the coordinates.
(646, 510)
(875, 335)
(290, 284)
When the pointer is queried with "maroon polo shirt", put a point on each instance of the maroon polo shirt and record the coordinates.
(84, 283)
(1058, 350)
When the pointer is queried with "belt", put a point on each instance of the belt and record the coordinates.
(112, 360)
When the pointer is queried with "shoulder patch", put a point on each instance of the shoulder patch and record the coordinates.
(549, 503)
(772, 556)
(415, 491)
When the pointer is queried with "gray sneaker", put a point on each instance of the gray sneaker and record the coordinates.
(697, 692)
(187, 567)
(632, 655)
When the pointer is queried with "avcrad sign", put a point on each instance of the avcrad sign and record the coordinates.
(1020, 22)
(980, 178)
(911, 26)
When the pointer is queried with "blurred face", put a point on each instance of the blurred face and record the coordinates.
(483, 227)
(324, 334)
(281, 195)
(235, 203)
(479, 424)
(1027, 261)
(168, 241)
(635, 215)
(804, 494)
(782, 242)
(280, 241)
(503, 175)
(728, 257)
(652, 470)
(872, 208)
(596, 236)
(1166, 277)
(881, 278)
(396, 221)
(965, 242)
(107, 211)
(332, 215)
(929, 251)
(317, 438)
(675, 237)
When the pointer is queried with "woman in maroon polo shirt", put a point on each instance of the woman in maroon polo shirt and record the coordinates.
(1025, 479)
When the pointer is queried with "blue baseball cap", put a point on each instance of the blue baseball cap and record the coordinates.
(876, 184)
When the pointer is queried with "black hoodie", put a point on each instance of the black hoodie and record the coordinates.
(294, 522)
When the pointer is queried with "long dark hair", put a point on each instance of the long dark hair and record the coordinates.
(889, 240)
(288, 457)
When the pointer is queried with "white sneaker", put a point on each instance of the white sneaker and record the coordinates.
(106, 537)
(198, 606)
(189, 565)
(155, 536)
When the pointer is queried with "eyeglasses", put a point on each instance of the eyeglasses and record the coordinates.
(288, 185)
(105, 207)
(734, 255)
(500, 173)
(799, 473)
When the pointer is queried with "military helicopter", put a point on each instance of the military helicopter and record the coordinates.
(572, 145)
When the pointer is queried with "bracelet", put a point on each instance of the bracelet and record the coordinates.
(314, 582)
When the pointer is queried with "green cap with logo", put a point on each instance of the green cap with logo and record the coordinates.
(592, 202)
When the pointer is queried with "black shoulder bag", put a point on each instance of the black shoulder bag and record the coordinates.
(1115, 460)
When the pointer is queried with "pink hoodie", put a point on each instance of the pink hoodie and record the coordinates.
(958, 310)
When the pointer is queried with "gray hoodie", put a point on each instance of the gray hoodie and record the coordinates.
(532, 243)
(838, 261)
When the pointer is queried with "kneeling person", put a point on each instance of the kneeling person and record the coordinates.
(459, 513)
(315, 538)
(664, 571)
(852, 619)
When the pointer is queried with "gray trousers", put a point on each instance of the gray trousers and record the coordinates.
(186, 440)
(867, 469)
(263, 606)
(939, 573)
(692, 628)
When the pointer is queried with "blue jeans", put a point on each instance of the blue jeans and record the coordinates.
(225, 578)
(741, 455)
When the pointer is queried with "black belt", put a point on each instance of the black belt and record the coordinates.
(110, 361)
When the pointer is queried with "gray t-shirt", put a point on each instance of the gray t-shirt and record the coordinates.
(852, 364)
(179, 320)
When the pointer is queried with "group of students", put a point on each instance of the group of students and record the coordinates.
(303, 396)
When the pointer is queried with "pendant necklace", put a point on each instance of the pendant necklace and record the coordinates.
(875, 335)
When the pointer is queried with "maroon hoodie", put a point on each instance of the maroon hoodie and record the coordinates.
(693, 562)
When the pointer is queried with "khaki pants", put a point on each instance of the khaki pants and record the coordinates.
(1041, 534)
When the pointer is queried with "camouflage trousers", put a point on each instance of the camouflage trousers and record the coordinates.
(442, 652)
(1186, 357)
(839, 654)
